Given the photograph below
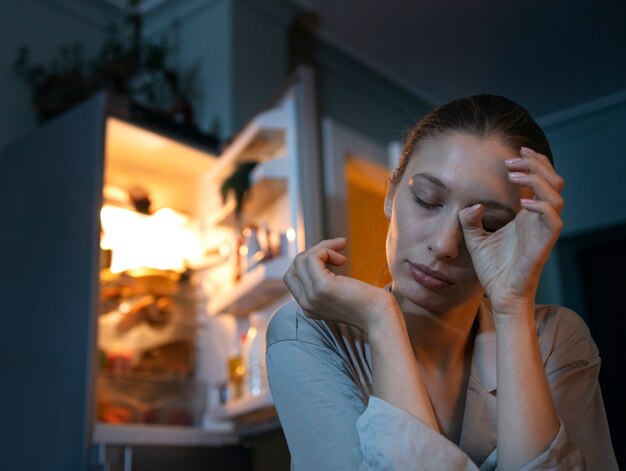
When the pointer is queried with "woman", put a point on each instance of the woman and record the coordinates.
(404, 377)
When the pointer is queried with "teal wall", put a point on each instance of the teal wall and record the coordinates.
(43, 26)
(363, 100)
(200, 33)
(259, 54)
(590, 154)
(589, 147)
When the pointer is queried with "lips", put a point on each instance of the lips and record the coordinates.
(429, 278)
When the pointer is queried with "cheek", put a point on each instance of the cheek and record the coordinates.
(391, 243)
(401, 237)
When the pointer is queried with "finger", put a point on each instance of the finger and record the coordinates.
(321, 277)
(548, 214)
(322, 254)
(313, 262)
(541, 188)
(327, 255)
(531, 161)
(543, 159)
(534, 162)
(302, 273)
(316, 266)
(293, 285)
(326, 251)
(471, 224)
(317, 256)
(471, 218)
(338, 243)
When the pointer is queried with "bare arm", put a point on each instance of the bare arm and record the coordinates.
(508, 264)
(395, 374)
(527, 420)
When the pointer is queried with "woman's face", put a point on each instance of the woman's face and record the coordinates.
(426, 253)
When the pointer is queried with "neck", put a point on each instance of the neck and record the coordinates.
(440, 340)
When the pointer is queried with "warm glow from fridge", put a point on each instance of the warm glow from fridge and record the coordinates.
(164, 240)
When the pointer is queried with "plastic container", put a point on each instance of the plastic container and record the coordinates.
(137, 399)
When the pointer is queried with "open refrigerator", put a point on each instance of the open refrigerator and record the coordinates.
(140, 286)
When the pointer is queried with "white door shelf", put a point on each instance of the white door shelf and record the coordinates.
(275, 169)
(268, 181)
(243, 406)
(256, 289)
(263, 139)
(217, 433)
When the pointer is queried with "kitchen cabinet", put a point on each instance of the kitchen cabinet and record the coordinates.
(57, 185)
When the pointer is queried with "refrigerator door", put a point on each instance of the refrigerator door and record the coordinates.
(50, 199)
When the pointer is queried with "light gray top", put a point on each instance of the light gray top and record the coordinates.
(320, 378)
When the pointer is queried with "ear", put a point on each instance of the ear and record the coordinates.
(389, 201)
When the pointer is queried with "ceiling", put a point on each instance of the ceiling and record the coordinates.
(547, 55)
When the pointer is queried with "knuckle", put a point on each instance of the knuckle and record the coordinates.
(559, 225)
(560, 202)
(305, 304)
(533, 179)
(291, 272)
(310, 261)
(559, 183)
(543, 158)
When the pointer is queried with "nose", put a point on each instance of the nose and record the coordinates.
(447, 239)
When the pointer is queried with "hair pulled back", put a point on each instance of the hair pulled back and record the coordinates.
(482, 116)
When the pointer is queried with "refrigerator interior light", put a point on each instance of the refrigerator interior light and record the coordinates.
(165, 240)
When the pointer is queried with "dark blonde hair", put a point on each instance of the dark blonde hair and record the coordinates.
(482, 116)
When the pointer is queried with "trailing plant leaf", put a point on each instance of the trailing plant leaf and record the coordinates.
(239, 183)
(126, 64)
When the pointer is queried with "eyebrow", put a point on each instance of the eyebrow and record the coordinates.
(491, 204)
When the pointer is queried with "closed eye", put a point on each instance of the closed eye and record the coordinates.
(425, 204)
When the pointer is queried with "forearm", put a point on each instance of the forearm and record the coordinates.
(395, 374)
(527, 421)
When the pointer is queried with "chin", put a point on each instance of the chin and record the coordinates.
(420, 296)
(432, 301)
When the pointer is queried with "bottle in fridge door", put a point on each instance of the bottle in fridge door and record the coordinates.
(253, 354)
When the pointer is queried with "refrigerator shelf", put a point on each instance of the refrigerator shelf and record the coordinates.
(243, 406)
(256, 289)
(262, 139)
(212, 433)
(267, 185)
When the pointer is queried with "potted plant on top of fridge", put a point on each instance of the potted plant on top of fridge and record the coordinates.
(127, 65)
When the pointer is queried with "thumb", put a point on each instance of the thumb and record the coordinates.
(470, 219)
